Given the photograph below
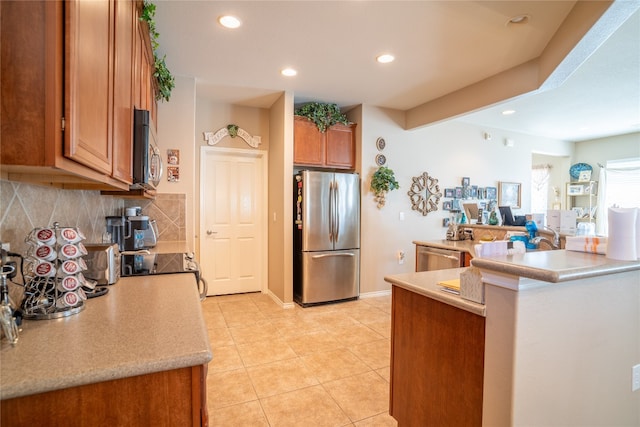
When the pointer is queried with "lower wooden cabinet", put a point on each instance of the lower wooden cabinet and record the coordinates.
(169, 398)
(437, 362)
(335, 148)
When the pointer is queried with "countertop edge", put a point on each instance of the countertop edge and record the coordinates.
(114, 373)
(579, 266)
(425, 283)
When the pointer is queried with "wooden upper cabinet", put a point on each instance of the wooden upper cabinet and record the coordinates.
(89, 83)
(340, 146)
(125, 29)
(69, 85)
(334, 148)
(308, 146)
(144, 66)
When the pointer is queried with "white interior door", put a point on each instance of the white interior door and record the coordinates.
(232, 220)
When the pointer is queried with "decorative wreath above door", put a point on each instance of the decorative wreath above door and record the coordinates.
(424, 193)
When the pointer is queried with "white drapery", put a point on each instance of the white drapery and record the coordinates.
(540, 188)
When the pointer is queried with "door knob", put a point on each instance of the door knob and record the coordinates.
(209, 232)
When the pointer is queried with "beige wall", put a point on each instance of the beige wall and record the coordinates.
(447, 151)
(600, 150)
(281, 199)
(176, 121)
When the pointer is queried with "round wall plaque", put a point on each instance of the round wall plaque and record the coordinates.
(381, 160)
(380, 144)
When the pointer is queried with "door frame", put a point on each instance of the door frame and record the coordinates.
(262, 201)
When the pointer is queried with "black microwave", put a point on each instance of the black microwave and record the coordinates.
(147, 162)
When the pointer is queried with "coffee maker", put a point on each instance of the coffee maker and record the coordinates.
(132, 233)
(135, 228)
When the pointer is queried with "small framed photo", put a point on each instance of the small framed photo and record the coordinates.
(449, 192)
(575, 190)
(491, 193)
(466, 181)
(509, 194)
(446, 206)
(474, 192)
(458, 193)
(445, 222)
(481, 193)
(585, 176)
(173, 156)
(173, 173)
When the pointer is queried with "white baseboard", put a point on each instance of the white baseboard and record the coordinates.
(274, 297)
(376, 294)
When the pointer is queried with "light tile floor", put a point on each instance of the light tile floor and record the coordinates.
(320, 366)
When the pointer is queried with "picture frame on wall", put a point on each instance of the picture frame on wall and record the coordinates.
(449, 192)
(491, 193)
(446, 206)
(510, 194)
(466, 181)
(458, 193)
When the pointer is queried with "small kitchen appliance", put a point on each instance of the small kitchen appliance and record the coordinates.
(147, 162)
(103, 263)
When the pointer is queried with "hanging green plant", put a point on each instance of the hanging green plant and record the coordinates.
(323, 115)
(163, 76)
(382, 182)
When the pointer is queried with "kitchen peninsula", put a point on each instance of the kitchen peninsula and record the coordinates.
(135, 356)
(554, 344)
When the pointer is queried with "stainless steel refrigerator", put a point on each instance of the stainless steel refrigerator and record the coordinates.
(326, 237)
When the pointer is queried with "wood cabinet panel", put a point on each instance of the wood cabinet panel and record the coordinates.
(437, 362)
(340, 146)
(168, 398)
(125, 28)
(89, 83)
(308, 146)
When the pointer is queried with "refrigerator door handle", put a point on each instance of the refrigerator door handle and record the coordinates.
(331, 238)
(330, 255)
(336, 222)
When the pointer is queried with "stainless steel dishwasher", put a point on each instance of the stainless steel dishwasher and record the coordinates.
(429, 258)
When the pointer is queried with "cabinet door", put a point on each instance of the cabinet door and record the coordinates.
(308, 143)
(89, 83)
(340, 147)
(125, 28)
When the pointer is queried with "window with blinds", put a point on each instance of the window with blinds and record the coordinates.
(623, 183)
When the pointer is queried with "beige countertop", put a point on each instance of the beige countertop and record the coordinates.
(142, 325)
(426, 283)
(555, 266)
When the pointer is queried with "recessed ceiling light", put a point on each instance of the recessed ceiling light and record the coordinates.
(518, 19)
(508, 112)
(229, 21)
(385, 58)
(289, 72)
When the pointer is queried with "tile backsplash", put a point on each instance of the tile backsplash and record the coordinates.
(24, 207)
(169, 211)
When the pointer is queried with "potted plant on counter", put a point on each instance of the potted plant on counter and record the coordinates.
(382, 182)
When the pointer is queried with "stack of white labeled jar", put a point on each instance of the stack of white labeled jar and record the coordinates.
(54, 283)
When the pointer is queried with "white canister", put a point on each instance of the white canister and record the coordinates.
(621, 242)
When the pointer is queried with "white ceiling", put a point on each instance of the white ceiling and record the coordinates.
(440, 47)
